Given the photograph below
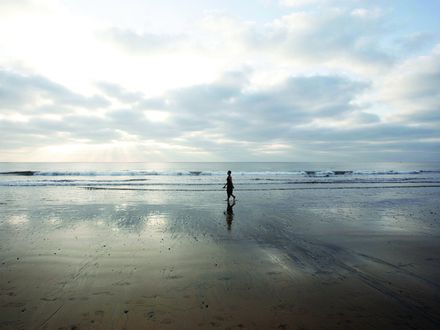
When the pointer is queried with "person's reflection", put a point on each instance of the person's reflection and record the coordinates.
(229, 214)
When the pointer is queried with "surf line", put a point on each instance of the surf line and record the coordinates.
(270, 189)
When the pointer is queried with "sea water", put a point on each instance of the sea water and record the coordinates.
(211, 176)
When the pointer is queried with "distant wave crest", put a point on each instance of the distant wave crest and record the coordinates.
(310, 173)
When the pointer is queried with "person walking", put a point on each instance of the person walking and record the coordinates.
(229, 186)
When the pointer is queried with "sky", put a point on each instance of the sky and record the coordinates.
(219, 80)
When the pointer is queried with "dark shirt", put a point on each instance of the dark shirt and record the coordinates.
(229, 184)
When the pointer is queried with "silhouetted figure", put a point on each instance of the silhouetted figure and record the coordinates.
(229, 214)
(229, 186)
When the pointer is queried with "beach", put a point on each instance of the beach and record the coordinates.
(326, 255)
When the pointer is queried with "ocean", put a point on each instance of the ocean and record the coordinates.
(247, 176)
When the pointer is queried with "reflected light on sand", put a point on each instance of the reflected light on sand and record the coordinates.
(121, 207)
(156, 221)
(398, 223)
(54, 221)
(18, 219)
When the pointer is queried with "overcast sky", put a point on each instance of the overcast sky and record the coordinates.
(219, 80)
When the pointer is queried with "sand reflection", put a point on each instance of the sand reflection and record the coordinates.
(156, 222)
(229, 214)
(18, 219)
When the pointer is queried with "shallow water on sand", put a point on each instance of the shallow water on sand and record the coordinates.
(311, 258)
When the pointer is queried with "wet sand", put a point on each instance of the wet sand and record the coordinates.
(81, 259)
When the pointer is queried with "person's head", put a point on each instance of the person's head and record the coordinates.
(229, 172)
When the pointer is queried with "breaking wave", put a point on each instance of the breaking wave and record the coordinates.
(176, 180)
(319, 173)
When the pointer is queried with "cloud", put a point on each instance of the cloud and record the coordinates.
(28, 92)
(323, 4)
(350, 38)
(303, 115)
(335, 37)
(226, 116)
(416, 41)
(10, 6)
(302, 3)
(118, 92)
(410, 92)
(141, 42)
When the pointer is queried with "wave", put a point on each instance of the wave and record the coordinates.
(268, 189)
(109, 173)
(252, 182)
(307, 173)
